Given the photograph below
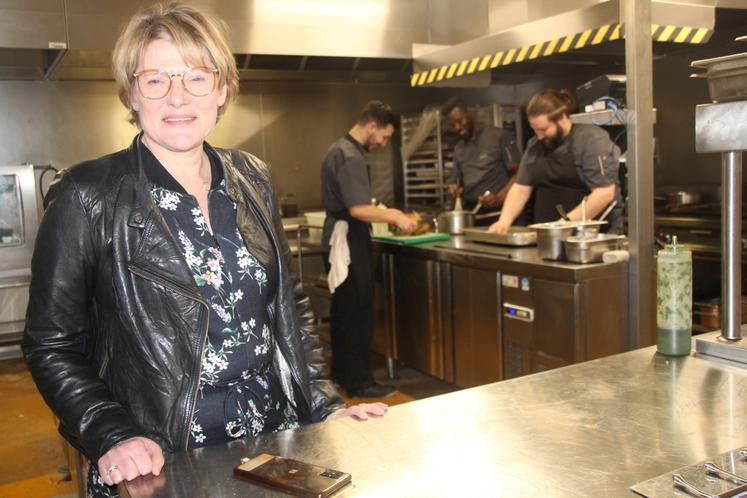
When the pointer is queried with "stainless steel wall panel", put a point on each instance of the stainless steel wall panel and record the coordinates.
(288, 124)
(60, 123)
(299, 123)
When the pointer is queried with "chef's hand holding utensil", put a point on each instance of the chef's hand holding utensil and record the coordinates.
(583, 208)
(455, 190)
(405, 223)
(480, 201)
(561, 211)
(608, 210)
(488, 200)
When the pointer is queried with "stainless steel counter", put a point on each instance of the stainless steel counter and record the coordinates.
(591, 429)
(504, 259)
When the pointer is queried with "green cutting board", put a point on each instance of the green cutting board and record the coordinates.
(413, 239)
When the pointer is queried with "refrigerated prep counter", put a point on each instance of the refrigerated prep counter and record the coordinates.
(472, 313)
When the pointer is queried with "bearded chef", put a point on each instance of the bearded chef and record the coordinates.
(563, 164)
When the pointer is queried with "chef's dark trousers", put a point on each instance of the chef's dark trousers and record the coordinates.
(351, 314)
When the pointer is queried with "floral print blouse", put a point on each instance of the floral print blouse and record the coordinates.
(239, 394)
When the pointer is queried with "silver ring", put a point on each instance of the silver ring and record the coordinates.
(112, 469)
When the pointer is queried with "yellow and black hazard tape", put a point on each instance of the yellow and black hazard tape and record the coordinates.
(592, 36)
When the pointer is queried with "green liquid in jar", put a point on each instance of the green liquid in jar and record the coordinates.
(674, 301)
(674, 342)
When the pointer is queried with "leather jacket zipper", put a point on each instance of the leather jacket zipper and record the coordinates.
(203, 339)
(104, 364)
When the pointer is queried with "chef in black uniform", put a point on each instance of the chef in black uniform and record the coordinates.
(346, 195)
(562, 164)
(485, 159)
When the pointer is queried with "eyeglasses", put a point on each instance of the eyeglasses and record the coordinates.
(154, 84)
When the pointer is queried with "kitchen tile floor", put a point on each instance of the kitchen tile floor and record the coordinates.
(33, 456)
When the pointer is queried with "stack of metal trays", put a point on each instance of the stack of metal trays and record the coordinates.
(516, 236)
(727, 76)
(590, 248)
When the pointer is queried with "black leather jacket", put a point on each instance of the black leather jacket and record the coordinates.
(116, 327)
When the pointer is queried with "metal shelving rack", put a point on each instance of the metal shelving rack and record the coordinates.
(428, 170)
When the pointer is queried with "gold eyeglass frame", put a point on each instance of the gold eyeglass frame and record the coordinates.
(171, 76)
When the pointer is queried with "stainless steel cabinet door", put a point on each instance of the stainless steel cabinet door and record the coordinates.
(477, 335)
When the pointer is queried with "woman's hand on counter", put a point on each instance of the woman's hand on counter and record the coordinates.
(135, 457)
(361, 411)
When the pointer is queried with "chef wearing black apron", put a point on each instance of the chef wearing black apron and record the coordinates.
(563, 164)
(485, 159)
(346, 196)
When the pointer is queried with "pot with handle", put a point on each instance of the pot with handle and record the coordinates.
(454, 222)
(683, 198)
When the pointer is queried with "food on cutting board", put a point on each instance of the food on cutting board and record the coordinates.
(423, 227)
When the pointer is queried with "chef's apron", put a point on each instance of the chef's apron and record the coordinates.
(351, 311)
(557, 180)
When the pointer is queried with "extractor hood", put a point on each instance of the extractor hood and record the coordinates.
(272, 39)
(591, 25)
(33, 38)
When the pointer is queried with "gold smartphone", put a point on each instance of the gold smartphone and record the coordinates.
(292, 476)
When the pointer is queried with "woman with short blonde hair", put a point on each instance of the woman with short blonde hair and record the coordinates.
(200, 39)
(164, 313)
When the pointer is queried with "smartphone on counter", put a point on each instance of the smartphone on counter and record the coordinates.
(292, 476)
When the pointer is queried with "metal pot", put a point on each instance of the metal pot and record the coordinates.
(550, 236)
(589, 249)
(683, 198)
(454, 222)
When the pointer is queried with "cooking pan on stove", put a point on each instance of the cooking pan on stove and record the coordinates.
(684, 198)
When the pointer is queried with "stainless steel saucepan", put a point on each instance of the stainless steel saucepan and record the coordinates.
(683, 198)
(454, 222)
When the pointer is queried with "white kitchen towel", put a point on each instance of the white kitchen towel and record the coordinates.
(339, 255)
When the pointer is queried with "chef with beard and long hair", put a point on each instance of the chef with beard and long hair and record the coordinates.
(563, 164)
